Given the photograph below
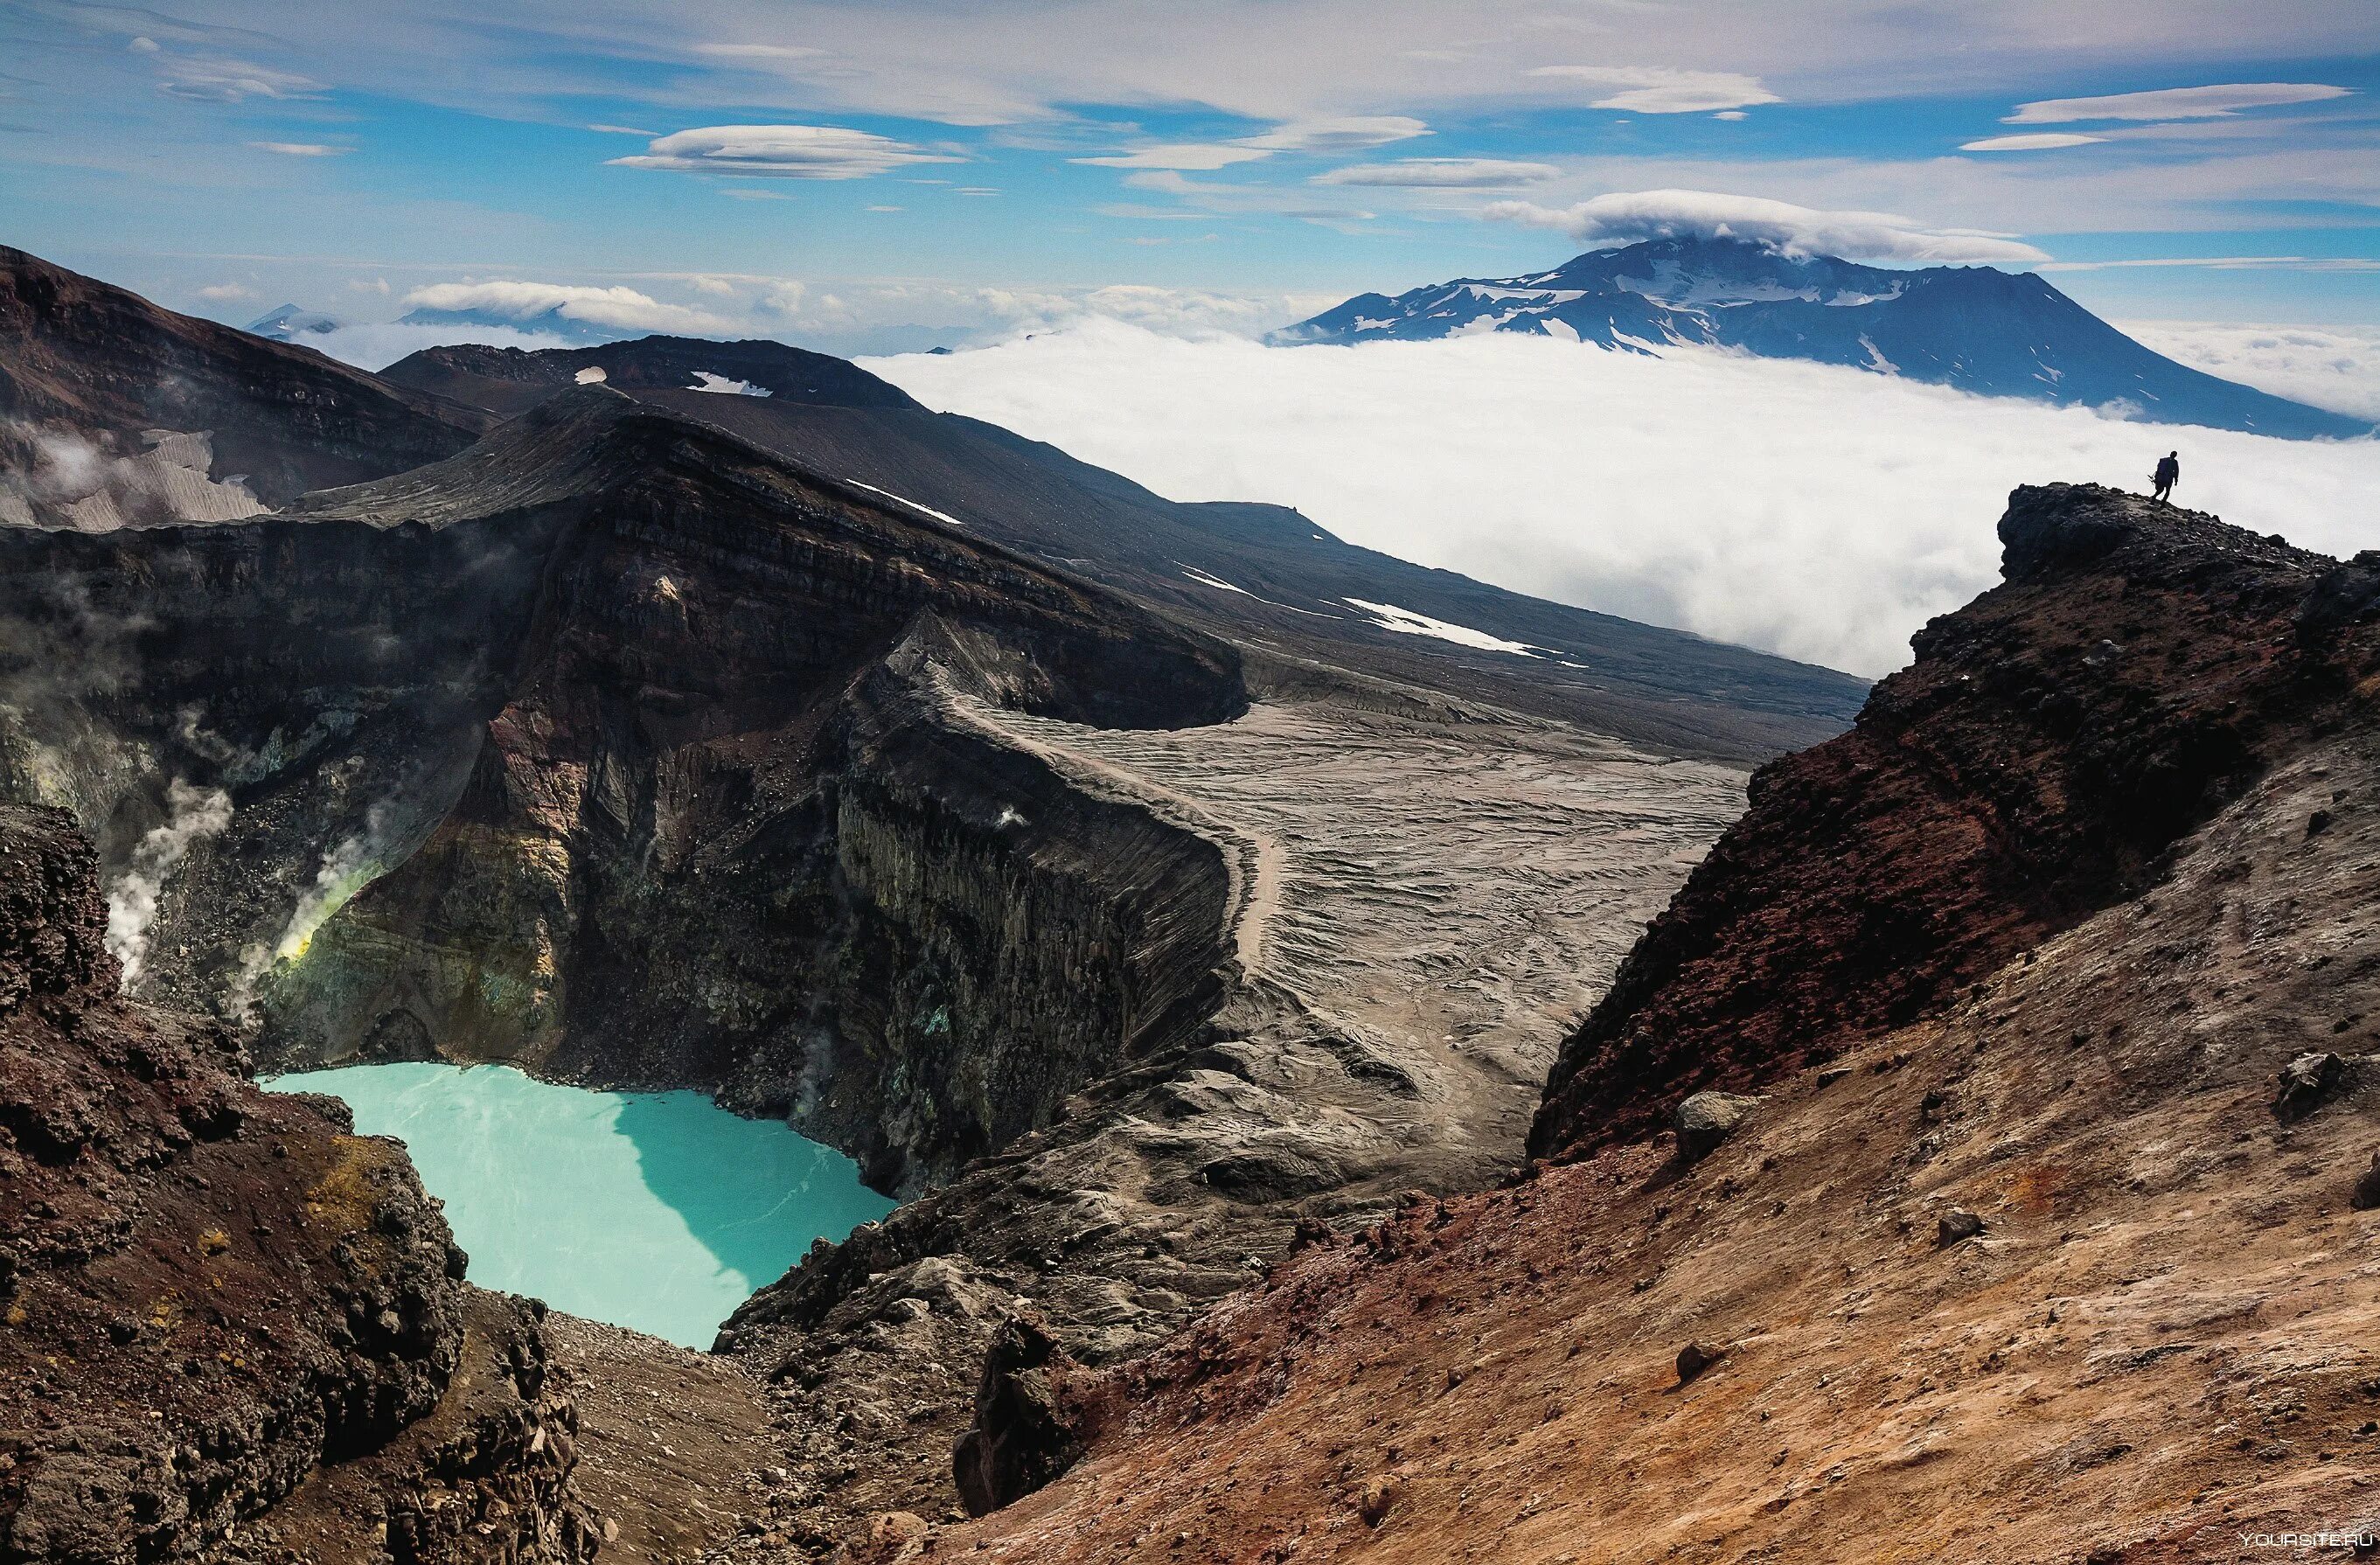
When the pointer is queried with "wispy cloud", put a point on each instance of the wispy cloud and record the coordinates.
(1627, 217)
(1242, 198)
(213, 80)
(1655, 90)
(225, 293)
(2225, 263)
(302, 148)
(781, 152)
(1344, 133)
(1355, 133)
(2174, 102)
(1195, 156)
(776, 51)
(1441, 173)
(2037, 142)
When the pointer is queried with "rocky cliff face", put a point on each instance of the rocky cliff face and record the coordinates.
(2047, 1234)
(114, 413)
(209, 1297)
(633, 735)
(2138, 668)
(717, 835)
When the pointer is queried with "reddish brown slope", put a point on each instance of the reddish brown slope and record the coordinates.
(2136, 668)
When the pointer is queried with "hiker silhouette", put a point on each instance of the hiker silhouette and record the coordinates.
(2168, 472)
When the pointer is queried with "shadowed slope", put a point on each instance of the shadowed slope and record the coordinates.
(113, 411)
(1261, 574)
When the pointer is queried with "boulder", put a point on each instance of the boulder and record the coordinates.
(1379, 1497)
(1707, 1119)
(890, 1538)
(2306, 1083)
(1955, 1225)
(1029, 1422)
(1697, 1356)
(2366, 1194)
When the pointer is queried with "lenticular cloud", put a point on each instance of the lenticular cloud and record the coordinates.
(1817, 511)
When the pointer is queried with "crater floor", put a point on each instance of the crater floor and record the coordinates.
(1425, 898)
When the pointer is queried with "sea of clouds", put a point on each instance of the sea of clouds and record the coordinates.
(2333, 366)
(1817, 511)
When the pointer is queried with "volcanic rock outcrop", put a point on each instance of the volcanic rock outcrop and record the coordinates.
(116, 413)
(2023, 1255)
(607, 684)
(2135, 669)
(212, 1299)
(716, 835)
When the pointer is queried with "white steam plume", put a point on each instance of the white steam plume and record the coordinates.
(345, 870)
(1819, 512)
(193, 815)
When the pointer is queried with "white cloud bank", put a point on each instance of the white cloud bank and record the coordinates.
(617, 308)
(1818, 512)
(377, 346)
(1627, 217)
(2334, 367)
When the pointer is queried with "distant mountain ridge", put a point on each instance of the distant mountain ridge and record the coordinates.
(286, 323)
(1240, 571)
(1978, 329)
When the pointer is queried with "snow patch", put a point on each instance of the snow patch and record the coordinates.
(591, 376)
(903, 500)
(1203, 579)
(1404, 622)
(704, 380)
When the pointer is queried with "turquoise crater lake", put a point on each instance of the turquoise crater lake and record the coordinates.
(656, 1210)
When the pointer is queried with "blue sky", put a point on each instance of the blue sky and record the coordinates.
(883, 175)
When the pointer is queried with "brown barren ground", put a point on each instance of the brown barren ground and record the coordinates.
(2163, 1339)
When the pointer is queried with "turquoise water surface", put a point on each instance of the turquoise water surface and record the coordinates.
(656, 1210)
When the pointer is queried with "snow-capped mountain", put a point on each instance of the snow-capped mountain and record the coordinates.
(285, 323)
(1997, 333)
